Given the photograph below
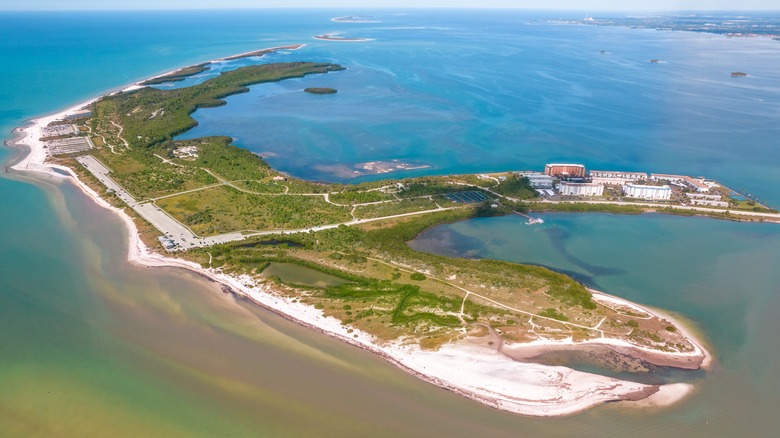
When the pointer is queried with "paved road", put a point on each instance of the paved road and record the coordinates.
(352, 222)
(182, 236)
(766, 216)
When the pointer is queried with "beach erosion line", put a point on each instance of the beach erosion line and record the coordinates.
(478, 373)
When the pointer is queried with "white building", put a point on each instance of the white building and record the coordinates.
(614, 177)
(580, 189)
(656, 193)
(539, 181)
(696, 184)
(709, 203)
(704, 196)
(706, 200)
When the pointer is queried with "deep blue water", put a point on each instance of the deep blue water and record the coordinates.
(459, 91)
(481, 91)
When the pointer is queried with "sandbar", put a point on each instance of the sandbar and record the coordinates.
(353, 19)
(336, 37)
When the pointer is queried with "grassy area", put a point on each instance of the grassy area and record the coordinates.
(145, 175)
(427, 186)
(352, 197)
(261, 186)
(150, 116)
(393, 208)
(392, 299)
(389, 289)
(749, 205)
(475, 180)
(178, 75)
(515, 187)
(224, 209)
(578, 207)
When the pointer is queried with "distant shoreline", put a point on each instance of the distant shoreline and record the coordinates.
(336, 37)
(353, 19)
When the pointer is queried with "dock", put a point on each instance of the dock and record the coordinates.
(531, 220)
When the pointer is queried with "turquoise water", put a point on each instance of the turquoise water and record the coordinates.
(720, 275)
(90, 346)
(476, 92)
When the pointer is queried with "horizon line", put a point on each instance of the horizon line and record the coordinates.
(376, 8)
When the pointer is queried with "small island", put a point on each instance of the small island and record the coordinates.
(262, 52)
(336, 37)
(320, 90)
(354, 19)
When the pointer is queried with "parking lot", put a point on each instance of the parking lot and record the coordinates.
(181, 236)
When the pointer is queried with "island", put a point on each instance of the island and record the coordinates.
(354, 19)
(320, 90)
(334, 257)
(261, 52)
(183, 73)
(336, 37)
(178, 75)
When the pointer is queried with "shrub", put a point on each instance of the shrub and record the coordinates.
(554, 314)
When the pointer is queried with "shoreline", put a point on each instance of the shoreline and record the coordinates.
(478, 373)
(35, 124)
(353, 19)
(335, 37)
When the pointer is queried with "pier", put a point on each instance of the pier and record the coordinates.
(531, 220)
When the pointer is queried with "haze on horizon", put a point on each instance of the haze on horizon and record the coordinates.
(576, 5)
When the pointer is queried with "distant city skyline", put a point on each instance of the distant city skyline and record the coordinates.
(593, 5)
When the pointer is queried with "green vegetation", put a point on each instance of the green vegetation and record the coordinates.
(515, 187)
(360, 197)
(474, 180)
(393, 208)
(577, 207)
(150, 116)
(554, 314)
(229, 210)
(178, 75)
(260, 186)
(318, 90)
(365, 275)
(428, 186)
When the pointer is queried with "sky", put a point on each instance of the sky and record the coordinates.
(580, 5)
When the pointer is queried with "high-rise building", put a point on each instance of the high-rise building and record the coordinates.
(661, 193)
(580, 189)
(565, 170)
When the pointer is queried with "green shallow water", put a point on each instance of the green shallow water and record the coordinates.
(721, 276)
(295, 274)
(94, 346)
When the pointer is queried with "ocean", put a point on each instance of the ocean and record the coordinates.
(90, 345)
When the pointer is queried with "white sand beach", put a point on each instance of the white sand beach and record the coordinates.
(475, 372)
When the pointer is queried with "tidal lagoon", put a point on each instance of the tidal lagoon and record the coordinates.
(92, 345)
